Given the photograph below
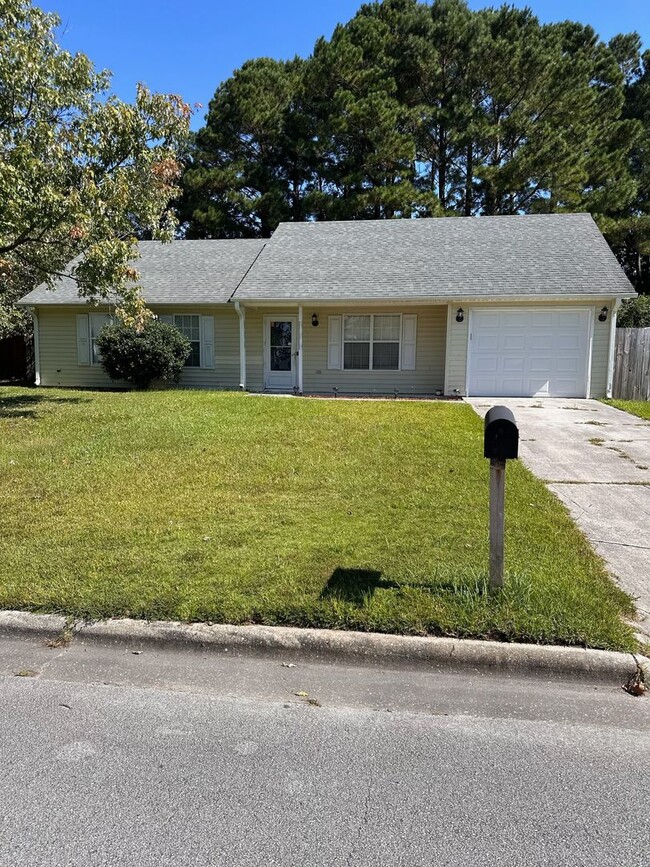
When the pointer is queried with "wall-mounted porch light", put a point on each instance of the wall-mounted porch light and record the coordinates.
(602, 316)
(314, 320)
(460, 314)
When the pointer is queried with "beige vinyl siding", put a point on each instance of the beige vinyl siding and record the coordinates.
(58, 349)
(57, 332)
(225, 373)
(458, 345)
(427, 378)
(255, 345)
(600, 353)
(457, 337)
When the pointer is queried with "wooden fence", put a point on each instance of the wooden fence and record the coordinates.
(632, 364)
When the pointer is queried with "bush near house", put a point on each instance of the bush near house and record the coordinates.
(225, 507)
(634, 313)
(157, 352)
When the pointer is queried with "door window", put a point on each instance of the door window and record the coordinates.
(280, 345)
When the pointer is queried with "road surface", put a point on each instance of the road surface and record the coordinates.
(168, 757)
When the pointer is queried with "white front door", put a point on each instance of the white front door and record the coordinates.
(520, 352)
(280, 344)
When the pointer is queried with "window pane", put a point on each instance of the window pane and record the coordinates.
(280, 358)
(281, 334)
(356, 356)
(386, 328)
(385, 356)
(190, 326)
(97, 322)
(356, 328)
(194, 358)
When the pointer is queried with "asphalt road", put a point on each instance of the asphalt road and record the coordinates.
(182, 758)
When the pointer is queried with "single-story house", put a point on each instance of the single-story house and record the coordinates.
(495, 306)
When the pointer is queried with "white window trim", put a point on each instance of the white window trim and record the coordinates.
(198, 366)
(372, 341)
(207, 359)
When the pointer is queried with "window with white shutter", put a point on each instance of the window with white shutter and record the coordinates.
(373, 341)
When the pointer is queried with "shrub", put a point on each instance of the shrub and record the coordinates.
(635, 313)
(159, 351)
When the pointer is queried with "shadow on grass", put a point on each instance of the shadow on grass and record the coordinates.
(25, 405)
(355, 585)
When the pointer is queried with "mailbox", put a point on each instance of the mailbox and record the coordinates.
(501, 436)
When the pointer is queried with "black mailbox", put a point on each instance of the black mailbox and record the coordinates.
(501, 437)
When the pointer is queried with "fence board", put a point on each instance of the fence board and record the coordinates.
(632, 364)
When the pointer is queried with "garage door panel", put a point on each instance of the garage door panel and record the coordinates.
(486, 384)
(514, 364)
(567, 342)
(571, 319)
(561, 389)
(512, 384)
(513, 320)
(518, 352)
(541, 341)
(487, 342)
(490, 365)
(542, 318)
(539, 366)
(514, 341)
(537, 386)
(568, 365)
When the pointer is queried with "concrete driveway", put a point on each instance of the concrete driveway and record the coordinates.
(596, 459)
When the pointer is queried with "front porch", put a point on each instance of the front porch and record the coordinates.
(327, 349)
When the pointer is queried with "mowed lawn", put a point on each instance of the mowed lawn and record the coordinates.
(636, 407)
(366, 515)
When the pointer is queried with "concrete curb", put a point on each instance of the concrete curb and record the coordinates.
(324, 644)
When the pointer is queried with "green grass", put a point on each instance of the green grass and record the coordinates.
(636, 407)
(225, 507)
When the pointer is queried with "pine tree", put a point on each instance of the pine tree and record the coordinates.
(252, 164)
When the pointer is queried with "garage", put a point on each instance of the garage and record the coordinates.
(540, 352)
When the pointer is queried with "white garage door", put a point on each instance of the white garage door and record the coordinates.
(529, 353)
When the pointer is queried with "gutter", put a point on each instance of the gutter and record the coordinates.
(428, 300)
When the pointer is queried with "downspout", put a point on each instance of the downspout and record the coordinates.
(611, 358)
(300, 321)
(241, 313)
(37, 348)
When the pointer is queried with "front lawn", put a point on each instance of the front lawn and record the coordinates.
(369, 515)
(636, 407)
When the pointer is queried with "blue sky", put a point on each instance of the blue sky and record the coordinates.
(188, 48)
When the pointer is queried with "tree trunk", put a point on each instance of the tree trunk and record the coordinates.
(442, 168)
(469, 180)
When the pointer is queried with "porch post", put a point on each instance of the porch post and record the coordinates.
(300, 348)
(241, 313)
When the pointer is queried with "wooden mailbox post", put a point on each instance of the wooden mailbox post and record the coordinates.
(500, 443)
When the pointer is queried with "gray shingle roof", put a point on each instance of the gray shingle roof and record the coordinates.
(533, 255)
(183, 272)
(536, 255)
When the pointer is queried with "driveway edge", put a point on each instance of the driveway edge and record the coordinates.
(337, 645)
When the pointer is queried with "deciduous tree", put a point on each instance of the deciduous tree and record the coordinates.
(80, 171)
